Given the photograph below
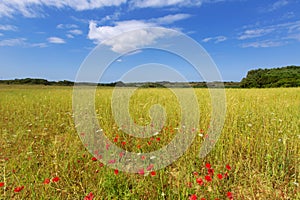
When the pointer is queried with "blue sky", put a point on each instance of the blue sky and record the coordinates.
(51, 38)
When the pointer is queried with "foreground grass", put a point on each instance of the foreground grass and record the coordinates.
(260, 142)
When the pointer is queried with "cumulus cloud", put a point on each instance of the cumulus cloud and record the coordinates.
(135, 39)
(56, 40)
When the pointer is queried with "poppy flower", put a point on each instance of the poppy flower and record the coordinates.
(123, 143)
(141, 172)
(94, 159)
(207, 165)
(208, 178)
(116, 172)
(211, 171)
(153, 173)
(116, 140)
(199, 181)
(195, 173)
(220, 176)
(46, 181)
(203, 198)
(150, 167)
(229, 195)
(1, 184)
(111, 161)
(228, 167)
(18, 189)
(55, 179)
(101, 165)
(193, 197)
(90, 196)
(158, 139)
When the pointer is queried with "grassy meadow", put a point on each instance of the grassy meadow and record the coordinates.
(256, 157)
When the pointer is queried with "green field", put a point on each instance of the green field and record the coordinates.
(41, 150)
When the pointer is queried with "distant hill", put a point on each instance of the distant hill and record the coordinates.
(277, 77)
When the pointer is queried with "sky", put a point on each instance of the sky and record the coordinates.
(51, 39)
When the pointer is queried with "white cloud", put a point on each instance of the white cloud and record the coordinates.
(169, 19)
(12, 42)
(8, 28)
(33, 8)
(217, 39)
(278, 4)
(165, 3)
(76, 32)
(124, 42)
(66, 26)
(263, 44)
(40, 45)
(255, 33)
(273, 35)
(56, 40)
(70, 36)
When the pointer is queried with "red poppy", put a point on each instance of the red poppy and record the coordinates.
(123, 143)
(149, 143)
(55, 179)
(101, 165)
(18, 189)
(199, 181)
(207, 165)
(116, 140)
(195, 173)
(90, 196)
(211, 171)
(116, 172)
(158, 139)
(121, 154)
(139, 146)
(229, 195)
(153, 173)
(208, 178)
(193, 197)
(150, 167)
(141, 172)
(47, 181)
(94, 159)
(143, 157)
(1, 184)
(228, 167)
(220, 176)
(203, 198)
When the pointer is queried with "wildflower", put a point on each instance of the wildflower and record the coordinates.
(229, 195)
(101, 165)
(203, 198)
(220, 176)
(141, 172)
(46, 181)
(55, 179)
(207, 165)
(210, 171)
(90, 196)
(195, 173)
(94, 159)
(111, 161)
(123, 143)
(193, 197)
(116, 140)
(153, 173)
(18, 189)
(208, 178)
(228, 167)
(150, 167)
(116, 172)
(158, 139)
(199, 181)
(1, 184)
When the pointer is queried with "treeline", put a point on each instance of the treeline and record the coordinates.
(163, 84)
(277, 77)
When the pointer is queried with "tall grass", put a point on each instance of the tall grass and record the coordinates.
(260, 141)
